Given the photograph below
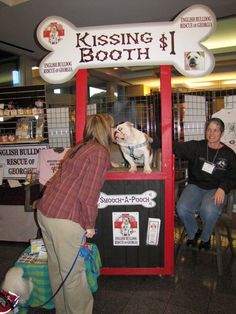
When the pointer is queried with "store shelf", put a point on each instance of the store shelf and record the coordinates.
(24, 141)
(22, 121)
(23, 116)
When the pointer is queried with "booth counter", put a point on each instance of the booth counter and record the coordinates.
(130, 223)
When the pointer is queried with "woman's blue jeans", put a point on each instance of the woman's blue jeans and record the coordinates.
(196, 200)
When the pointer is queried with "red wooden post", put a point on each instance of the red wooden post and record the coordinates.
(167, 165)
(81, 103)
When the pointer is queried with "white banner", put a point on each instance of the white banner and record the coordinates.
(18, 160)
(145, 199)
(177, 43)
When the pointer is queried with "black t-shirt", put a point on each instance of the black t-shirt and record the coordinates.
(197, 153)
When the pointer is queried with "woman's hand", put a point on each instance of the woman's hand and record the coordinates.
(90, 233)
(115, 164)
(219, 196)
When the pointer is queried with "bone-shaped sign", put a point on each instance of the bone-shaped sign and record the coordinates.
(145, 199)
(177, 43)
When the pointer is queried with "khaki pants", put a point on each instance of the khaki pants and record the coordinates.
(62, 240)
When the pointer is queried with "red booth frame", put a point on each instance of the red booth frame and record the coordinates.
(166, 174)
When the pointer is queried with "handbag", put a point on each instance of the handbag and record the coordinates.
(92, 259)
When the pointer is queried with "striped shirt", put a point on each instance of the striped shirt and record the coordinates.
(73, 192)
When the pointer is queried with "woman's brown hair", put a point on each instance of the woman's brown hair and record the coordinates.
(98, 128)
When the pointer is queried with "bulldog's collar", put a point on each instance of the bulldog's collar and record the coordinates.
(132, 147)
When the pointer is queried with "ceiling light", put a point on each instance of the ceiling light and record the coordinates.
(214, 78)
(198, 84)
(229, 82)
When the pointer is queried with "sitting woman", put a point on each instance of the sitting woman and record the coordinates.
(212, 174)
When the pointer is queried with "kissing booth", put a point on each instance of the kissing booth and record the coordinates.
(146, 200)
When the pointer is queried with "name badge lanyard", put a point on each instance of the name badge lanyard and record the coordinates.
(210, 166)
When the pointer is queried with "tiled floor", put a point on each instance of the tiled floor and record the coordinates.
(195, 287)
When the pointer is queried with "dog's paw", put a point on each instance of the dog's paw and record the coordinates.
(133, 169)
(147, 170)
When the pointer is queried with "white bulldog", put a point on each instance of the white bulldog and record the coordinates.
(135, 146)
(195, 60)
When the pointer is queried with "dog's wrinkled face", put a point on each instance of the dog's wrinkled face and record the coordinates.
(194, 59)
(122, 132)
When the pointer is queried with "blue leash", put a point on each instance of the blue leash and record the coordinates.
(83, 252)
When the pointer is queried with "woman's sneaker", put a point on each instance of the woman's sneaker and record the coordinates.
(205, 245)
(193, 242)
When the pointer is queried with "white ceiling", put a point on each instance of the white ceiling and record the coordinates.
(19, 22)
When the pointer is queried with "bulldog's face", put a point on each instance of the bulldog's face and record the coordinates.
(194, 59)
(122, 132)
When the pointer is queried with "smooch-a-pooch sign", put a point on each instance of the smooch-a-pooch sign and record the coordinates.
(145, 199)
(177, 43)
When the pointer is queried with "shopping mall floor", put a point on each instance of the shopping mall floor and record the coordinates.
(195, 287)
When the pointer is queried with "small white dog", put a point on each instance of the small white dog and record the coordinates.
(135, 146)
(194, 60)
(16, 284)
(54, 37)
(126, 229)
